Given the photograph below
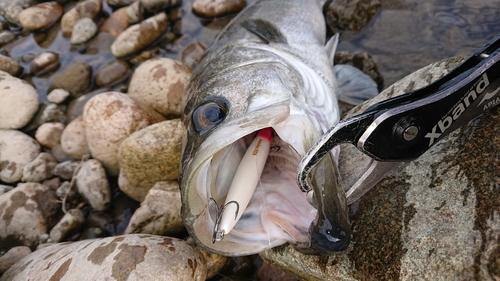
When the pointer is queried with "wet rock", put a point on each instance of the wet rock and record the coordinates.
(10, 9)
(139, 36)
(41, 168)
(58, 96)
(148, 156)
(73, 139)
(84, 9)
(363, 62)
(155, 6)
(116, 23)
(217, 8)
(126, 257)
(66, 191)
(119, 3)
(16, 151)
(160, 211)
(75, 79)
(44, 63)
(10, 65)
(109, 118)
(83, 30)
(159, 84)
(70, 224)
(350, 15)
(40, 16)
(49, 134)
(12, 256)
(66, 169)
(112, 73)
(18, 102)
(48, 112)
(93, 186)
(192, 54)
(267, 272)
(135, 12)
(436, 216)
(214, 262)
(26, 213)
(6, 36)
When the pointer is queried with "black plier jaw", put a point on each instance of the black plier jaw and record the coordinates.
(401, 129)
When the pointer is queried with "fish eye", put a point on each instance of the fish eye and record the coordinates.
(208, 115)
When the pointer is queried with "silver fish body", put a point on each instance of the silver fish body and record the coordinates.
(268, 68)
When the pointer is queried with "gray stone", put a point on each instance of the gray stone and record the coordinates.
(18, 102)
(12, 256)
(73, 139)
(93, 185)
(71, 223)
(10, 9)
(41, 168)
(66, 169)
(83, 30)
(16, 150)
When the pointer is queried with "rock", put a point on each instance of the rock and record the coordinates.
(10, 65)
(5, 188)
(66, 190)
(83, 30)
(119, 3)
(160, 211)
(44, 63)
(267, 272)
(12, 256)
(75, 107)
(436, 216)
(16, 150)
(217, 8)
(70, 224)
(148, 156)
(59, 154)
(49, 134)
(112, 73)
(40, 16)
(139, 36)
(26, 213)
(363, 62)
(159, 84)
(58, 96)
(350, 15)
(109, 118)
(48, 112)
(214, 262)
(52, 183)
(93, 186)
(6, 36)
(155, 6)
(83, 9)
(135, 12)
(126, 257)
(10, 9)
(73, 139)
(192, 54)
(66, 169)
(41, 168)
(116, 23)
(76, 79)
(18, 102)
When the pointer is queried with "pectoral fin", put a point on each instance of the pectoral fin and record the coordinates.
(266, 30)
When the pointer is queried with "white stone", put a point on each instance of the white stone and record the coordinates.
(18, 102)
(83, 30)
(73, 139)
(49, 134)
(93, 185)
(16, 150)
(41, 168)
(58, 95)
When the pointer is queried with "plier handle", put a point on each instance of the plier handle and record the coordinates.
(402, 128)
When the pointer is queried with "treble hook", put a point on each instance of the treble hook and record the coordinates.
(219, 235)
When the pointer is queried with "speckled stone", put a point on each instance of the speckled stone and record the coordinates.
(217, 8)
(350, 14)
(10, 66)
(40, 16)
(16, 151)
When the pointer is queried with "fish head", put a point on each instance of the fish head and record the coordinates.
(225, 105)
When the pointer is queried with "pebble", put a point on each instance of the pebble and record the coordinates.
(44, 63)
(214, 262)
(18, 102)
(135, 12)
(352, 15)
(17, 150)
(140, 165)
(155, 6)
(49, 134)
(75, 107)
(125, 257)
(119, 3)
(70, 224)
(40, 169)
(12, 256)
(116, 23)
(217, 8)
(139, 36)
(73, 139)
(40, 16)
(83, 30)
(267, 272)
(192, 54)
(62, 192)
(112, 73)
(10, 9)
(6, 36)
(10, 65)
(160, 211)
(83, 9)
(26, 214)
(76, 79)
(66, 169)
(109, 118)
(5, 188)
(59, 154)
(93, 185)
(159, 84)
(58, 96)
